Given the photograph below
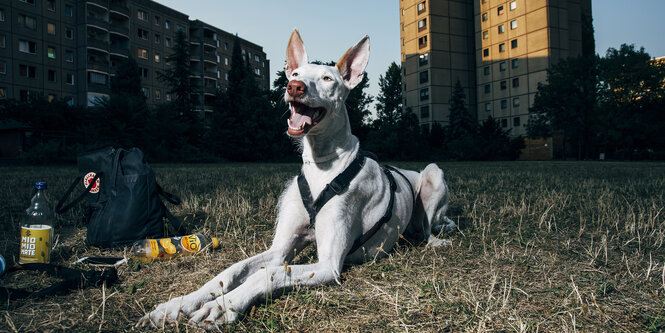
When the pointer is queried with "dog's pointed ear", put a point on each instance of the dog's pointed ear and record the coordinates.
(353, 62)
(296, 55)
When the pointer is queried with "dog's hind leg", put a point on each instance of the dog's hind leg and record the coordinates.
(433, 194)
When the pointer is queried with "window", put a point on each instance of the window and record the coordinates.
(50, 28)
(157, 39)
(516, 102)
(516, 122)
(502, 28)
(156, 20)
(424, 94)
(157, 57)
(69, 10)
(422, 24)
(499, 10)
(424, 76)
(504, 104)
(51, 75)
(146, 92)
(422, 42)
(167, 42)
(3, 92)
(226, 46)
(180, 28)
(502, 66)
(516, 82)
(513, 24)
(502, 47)
(50, 51)
(424, 112)
(97, 78)
(504, 85)
(69, 56)
(143, 72)
(488, 107)
(69, 33)
(257, 71)
(486, 34)
(168, 97)
(513, 43)
(50, 5)
(27, 71)
(421, 7)
(486, 70)
(226, 61)
(513, 5)
(423, 59)
(158, 94)
(504, 122)
(143, 34)
(487, 88)
(257, 58)
(484, 17)
(142, 53)
(27, 21)
(515, 63)
(50, 97)
(141, 15)
(69, 79)
(27, 46)
(2, 14)
(167, 25)
(486, 52)
(2, 41)
(30, 2)
(3, 67)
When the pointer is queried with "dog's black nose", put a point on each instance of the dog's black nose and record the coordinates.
(296, 88)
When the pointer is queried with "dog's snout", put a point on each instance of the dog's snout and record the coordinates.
(296, 88)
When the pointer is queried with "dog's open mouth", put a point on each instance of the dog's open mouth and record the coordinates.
(303, 118)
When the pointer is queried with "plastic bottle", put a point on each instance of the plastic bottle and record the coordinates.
(37, 229)
(152, 249)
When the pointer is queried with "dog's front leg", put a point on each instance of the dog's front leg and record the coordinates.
(265, 283)
(223, 283)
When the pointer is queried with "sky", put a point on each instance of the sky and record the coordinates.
(329, 28)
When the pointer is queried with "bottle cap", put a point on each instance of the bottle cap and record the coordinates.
(215, 242)
(40, 185)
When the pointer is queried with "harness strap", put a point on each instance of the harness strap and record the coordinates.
(338, 185)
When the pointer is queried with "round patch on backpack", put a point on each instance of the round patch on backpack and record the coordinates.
(86, 182)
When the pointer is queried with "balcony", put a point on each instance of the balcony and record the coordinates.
(210, 89)
(97, 22)
(119, 8)
(119, 29)
(101, 3)
(210, 57)
(120, 50)
(209, 41)
(210, 74)
(99, 66)
(97, 44)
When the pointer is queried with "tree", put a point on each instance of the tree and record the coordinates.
(567, 104)
(389, 101)
(631, 99)
(177, 76)
(461, 122)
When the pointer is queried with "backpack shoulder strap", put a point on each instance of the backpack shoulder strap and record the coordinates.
(59, 209)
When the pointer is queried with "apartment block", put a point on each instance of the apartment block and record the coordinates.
(511, 43)
(69, 49)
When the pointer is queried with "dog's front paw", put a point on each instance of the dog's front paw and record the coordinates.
(168, 312)
(214, 314)
(437, 242)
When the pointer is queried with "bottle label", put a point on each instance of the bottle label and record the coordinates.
(191, 243)
(154, 248)
(169, 248)
(35, 244)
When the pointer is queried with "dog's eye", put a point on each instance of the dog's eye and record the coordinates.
(327, 78)
(294, 74)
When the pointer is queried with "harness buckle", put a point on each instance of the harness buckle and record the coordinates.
(335, 187)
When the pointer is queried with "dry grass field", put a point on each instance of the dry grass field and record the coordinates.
(541, 247)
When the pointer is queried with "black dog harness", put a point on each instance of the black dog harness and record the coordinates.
(339, 184)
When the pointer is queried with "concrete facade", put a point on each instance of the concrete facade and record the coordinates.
(513, 44)
(69, 49)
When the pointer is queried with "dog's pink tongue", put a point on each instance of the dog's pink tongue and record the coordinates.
(298, 119)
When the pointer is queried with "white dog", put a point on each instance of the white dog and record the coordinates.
(361, 209)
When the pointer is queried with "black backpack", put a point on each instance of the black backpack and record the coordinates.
(123, 198)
